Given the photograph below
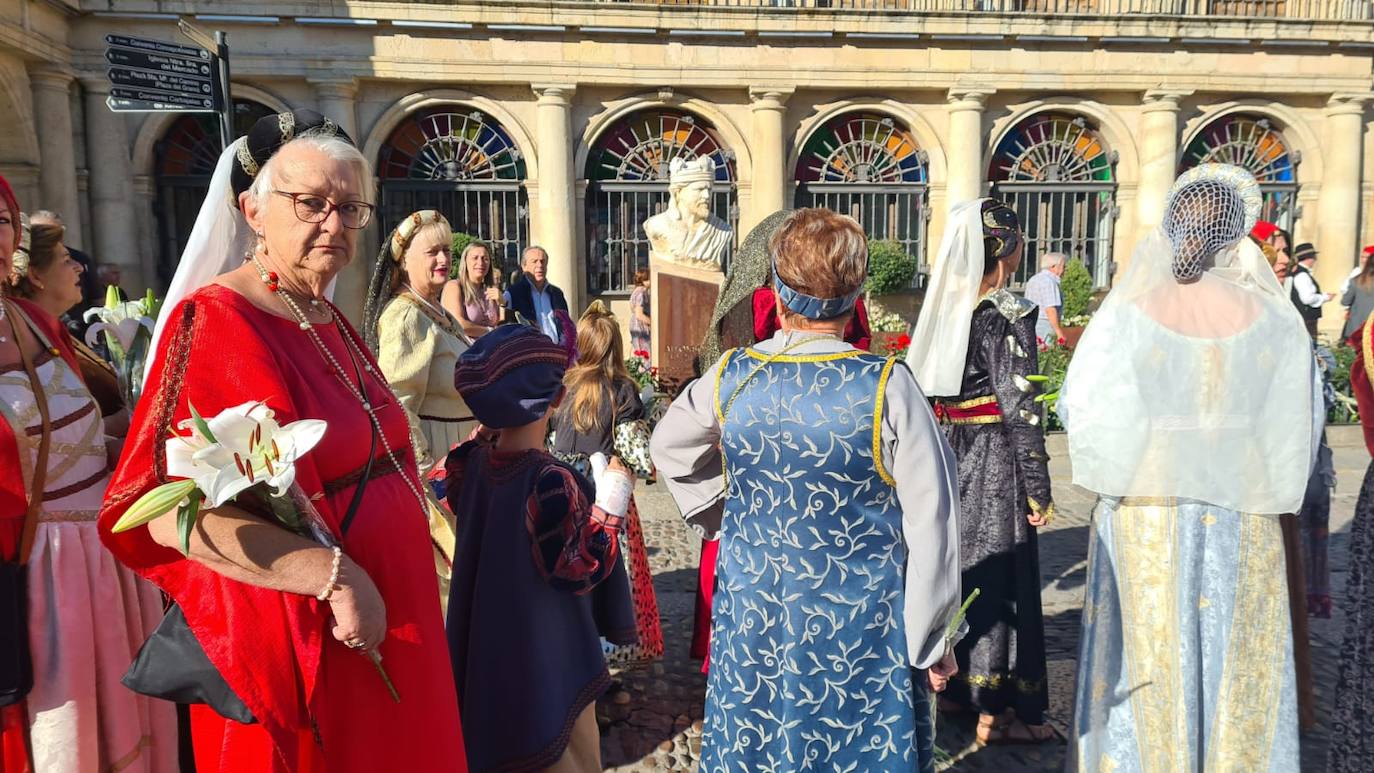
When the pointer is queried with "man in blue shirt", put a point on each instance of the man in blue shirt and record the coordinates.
(532, 297)
(1043, 290)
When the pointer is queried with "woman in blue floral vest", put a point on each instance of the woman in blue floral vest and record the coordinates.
(833, 493)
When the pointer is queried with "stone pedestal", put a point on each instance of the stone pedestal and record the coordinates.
(683, 300)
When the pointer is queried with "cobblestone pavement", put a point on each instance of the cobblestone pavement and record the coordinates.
(659, 728)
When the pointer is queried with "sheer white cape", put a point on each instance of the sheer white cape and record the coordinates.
(1203, 391)
(939, 343)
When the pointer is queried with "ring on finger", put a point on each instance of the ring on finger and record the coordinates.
(356, 644)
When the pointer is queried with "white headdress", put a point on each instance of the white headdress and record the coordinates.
(939, 344)
(684, 172)
(1196, 378)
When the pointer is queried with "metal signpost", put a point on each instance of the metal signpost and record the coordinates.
(155, 76)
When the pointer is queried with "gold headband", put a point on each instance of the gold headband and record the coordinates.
(400, 238)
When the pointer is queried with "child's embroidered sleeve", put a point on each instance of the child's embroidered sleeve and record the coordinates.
(573, 542)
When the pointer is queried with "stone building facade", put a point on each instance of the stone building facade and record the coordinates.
(552, 122)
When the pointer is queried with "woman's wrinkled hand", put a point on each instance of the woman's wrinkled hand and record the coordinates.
(940, 673)
(358, 608)
(1037, 519)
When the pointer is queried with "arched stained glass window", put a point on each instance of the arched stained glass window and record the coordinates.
(1253, 143)
(868, 166)
(462, 162)
(186, 157)
(1057, 173)
(627, 175)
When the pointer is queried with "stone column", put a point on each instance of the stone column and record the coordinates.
(1338, 205)
(334, 99)
(554, 229)
(1158, 156)
(769, 186)
(965, 154)
(52, 110)
(149, 240)
(114, 237)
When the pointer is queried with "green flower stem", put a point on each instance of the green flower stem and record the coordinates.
(376, 658)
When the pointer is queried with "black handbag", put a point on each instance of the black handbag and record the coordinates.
(16, 665)
(173, 666)
(16, 661)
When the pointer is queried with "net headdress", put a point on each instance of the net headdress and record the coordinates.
(1195, 379)
(1210, 208)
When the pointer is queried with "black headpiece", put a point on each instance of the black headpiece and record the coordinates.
(1001, 230)
(269, 134)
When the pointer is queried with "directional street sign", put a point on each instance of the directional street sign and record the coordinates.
(176, 84)
(154, 76)
(157, 47)
(139, 60)
(164, 101)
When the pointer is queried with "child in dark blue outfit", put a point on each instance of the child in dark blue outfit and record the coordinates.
(527, 605)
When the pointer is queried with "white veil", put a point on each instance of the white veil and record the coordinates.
(1202, 389)
(939, 344)
(218, 242)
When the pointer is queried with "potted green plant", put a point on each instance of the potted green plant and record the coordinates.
(1076, 290)
(890, 270)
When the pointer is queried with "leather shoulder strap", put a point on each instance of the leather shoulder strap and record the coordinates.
(20, 321)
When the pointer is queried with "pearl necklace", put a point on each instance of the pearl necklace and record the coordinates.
(269, 278)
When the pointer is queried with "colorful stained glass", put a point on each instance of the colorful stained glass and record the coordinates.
(1052, 148)
(1247, 141)
(862, 148)
(191, 145)
(640, 147)
(444, 144)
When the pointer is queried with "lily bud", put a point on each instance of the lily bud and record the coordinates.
(112, 297)
(155, 503)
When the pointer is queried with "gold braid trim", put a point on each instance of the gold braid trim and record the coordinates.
(878, 424)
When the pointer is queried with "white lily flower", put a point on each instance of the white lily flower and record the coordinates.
(121, 321)
(247, 446)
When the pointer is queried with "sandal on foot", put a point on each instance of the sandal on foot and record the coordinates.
(1013, 731)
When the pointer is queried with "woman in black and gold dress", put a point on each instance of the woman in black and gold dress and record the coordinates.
(972, 351)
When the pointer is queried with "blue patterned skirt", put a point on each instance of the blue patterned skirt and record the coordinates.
(1187, 657)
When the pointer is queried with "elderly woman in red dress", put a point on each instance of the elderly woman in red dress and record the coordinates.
(287, 622)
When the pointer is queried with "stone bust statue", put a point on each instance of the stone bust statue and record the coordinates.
(686, 233)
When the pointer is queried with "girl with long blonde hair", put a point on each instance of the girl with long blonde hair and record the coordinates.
(603, 413)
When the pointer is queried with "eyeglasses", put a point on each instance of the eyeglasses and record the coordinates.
(314, 208)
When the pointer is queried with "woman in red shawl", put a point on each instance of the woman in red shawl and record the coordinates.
(287, 622)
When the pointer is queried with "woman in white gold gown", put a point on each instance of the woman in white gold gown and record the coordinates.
(1192, 409)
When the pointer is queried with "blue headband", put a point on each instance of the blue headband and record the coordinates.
(810, 306)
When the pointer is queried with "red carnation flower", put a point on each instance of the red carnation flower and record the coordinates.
(903, 341)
